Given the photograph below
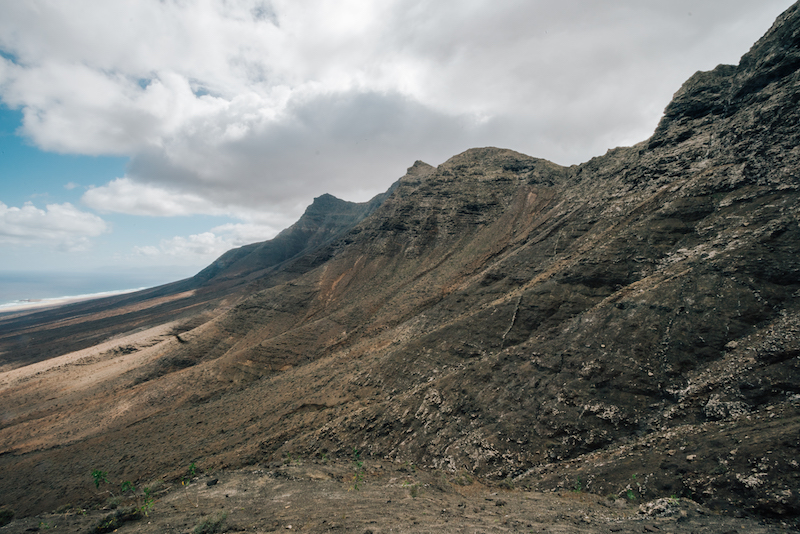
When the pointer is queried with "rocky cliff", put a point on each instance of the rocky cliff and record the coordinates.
(628, 326)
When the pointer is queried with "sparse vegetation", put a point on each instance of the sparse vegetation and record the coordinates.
(292, 459)
(358, 467)
(211, 525)
(186, 480)
(413, 488)
(99, 477)
(144, 501)
(147, 502)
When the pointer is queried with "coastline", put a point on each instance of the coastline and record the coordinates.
(45, 303)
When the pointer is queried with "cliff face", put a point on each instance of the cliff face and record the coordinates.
(631, 322)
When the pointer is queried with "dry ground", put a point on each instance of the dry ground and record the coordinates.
(320, 496)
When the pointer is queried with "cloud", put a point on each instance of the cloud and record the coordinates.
(207, 246)
(235, 106)
(125, 196)
(60, 224)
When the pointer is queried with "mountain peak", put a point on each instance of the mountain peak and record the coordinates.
(420, 168)
(721, 92)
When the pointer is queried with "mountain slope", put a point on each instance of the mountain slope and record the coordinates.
(629, 325)
(191, 301)
(326, 219)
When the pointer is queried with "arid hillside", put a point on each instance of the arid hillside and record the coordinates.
(629, 326)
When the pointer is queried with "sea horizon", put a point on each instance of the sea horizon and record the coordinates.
(24, 304)
(20, 289)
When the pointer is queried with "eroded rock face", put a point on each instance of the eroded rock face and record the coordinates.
(631, 322)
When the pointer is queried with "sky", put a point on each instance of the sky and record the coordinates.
(148, 136)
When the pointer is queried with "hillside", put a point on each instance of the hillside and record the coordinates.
(32, 336)
(628, 326)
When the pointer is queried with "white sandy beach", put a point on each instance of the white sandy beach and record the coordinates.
(35, 304)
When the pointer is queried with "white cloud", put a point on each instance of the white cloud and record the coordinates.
(148, 250)
(207, 246)
(238, 234)
(125, 196)
(62, 225)
(231, 106)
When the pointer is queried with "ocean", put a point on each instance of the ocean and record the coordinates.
(19, 288)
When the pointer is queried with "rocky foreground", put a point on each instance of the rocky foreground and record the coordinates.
(323, 495)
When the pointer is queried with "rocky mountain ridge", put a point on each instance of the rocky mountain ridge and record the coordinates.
(629, 324)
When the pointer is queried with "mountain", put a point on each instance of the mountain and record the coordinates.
(628, 326)
(81, 325)
(326, 219)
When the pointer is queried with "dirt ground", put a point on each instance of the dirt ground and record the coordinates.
(376, 497)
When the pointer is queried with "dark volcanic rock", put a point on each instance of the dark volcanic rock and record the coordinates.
(629, 325)
(324, 220)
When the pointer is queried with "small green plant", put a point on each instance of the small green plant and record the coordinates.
(630, 494)
(186, 480)
(147, 502)
(211, 525)
(192, 470)
(413, 488)
(578, 486)
(190, 473)
(358, 467)
(99, 477)
(127, 487)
